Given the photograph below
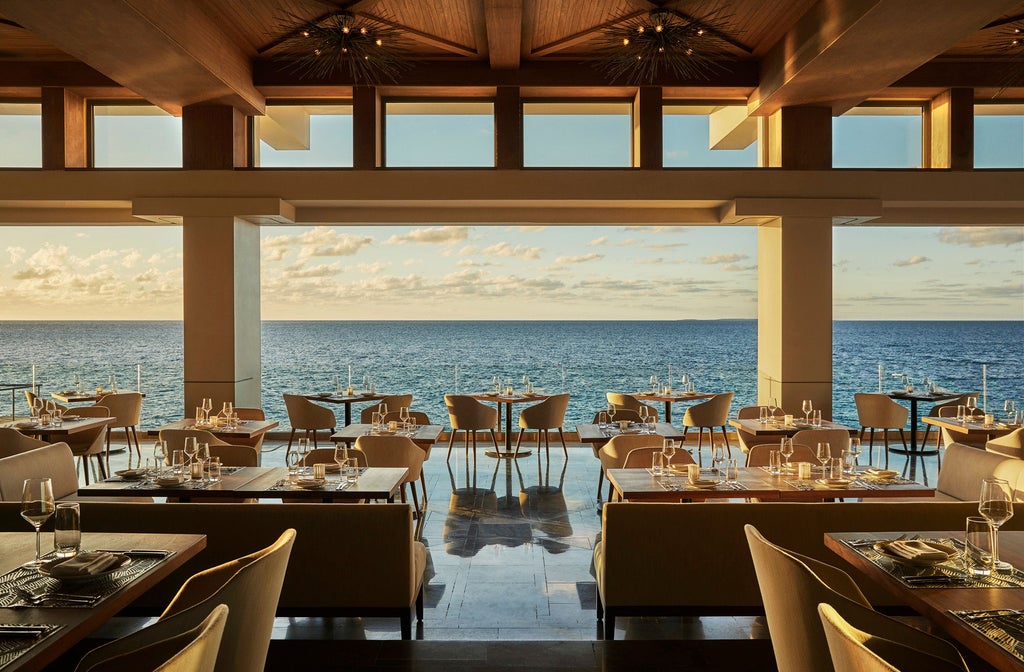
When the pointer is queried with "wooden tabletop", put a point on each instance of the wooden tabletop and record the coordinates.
(257, 483)
(972, 428)
(590, 433)
(355, 397)
(81, 398)
(920, 395)
(17, 547)
(245, 429)
(426, 435)
(672, 396)
(638, 485)
(509, 399)
(67, 428)
(756, 427)
(936, 603)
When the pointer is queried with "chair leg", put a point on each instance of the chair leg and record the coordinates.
(519, 440)
(885, 438)
(728, 448)
(609, 626)
(138, 448)
(494, 440)
(401, 492)
(406, 625)
(99, 464)
(313, 432)
(700, 444)
(561, 437)
(600, 482)
(288, 450)
(423, 486)
(108, 450)
(451, 442)
(419, 605)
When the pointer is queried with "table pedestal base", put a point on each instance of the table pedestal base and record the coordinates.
(508, 454)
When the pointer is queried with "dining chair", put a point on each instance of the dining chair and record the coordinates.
(630, 414)
(882, 648)
(126, 408)
(877, 411)
(13, 442)
(613, 454)
(948, 437)
(1011, 445)
(746, 439)
(249, 413)
(641, 458)
(90, 444)
(31, 398)
(393, 402)
(469, 415)
(172, 645)
(936, 412)
(792, 586)
(759, 455)
(707, 415)
(838, 440)
(230, 454)
(422, 420)
(304, 415)
(53, 461)
(397, 451)
(548, 414)
(621, 401)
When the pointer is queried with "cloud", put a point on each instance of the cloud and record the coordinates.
(730, 258)
(913, 261)
(16, 253)
(663, 246)
(320, 241)
(581, 259)
(603, 240)
(657, 229)
(503, 249)
(656, 261)
(530, 227)
(441, 234)
(982, 236)
(274, 253)
(469, 263)
(133, 257)
(371, 269)
(739, 267)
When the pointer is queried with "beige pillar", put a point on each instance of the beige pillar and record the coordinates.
(221, 269)
(794, 313)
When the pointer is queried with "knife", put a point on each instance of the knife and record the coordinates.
(139, 552)
(22, 630)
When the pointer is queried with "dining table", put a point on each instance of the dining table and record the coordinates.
(974, 427)
(346, 399)
(245, 429)
(424, 436)
(509, 400)
(640, 485)
(71, 424)
(668, 398)
(257, 483)
(914, 396)
(780, 428)
(62, 624)
(597, 436)
(967, 608)
(73, 397)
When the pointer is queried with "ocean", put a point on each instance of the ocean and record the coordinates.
(585, 358)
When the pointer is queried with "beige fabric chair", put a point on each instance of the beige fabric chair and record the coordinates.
(949, 438)
(613, 454)
(53, 461)
(230, 454)
(877, 411)
(469, 415)
(759, 454)
(548, 414)
(13, 442)
(394, 402)
(245, 413)
(882, 649)
(838, 440)
(304, 415)
(937, 412)
(31, 398)
(746, 439)
(126, 407)
(90, 443)
(628, 401)
(792, 586)
(707, 415)
(397, 451)
(421, 420)
(620, 414)
(640, 458)
(1011, 445)
(165, 646)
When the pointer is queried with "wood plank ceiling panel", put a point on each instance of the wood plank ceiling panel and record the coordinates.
(254, 23)
(19, 44)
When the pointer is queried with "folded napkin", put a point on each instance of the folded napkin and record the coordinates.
(916, 550)
(881, 473)
(85, 564)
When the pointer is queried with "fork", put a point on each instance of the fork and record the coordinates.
(39, 598)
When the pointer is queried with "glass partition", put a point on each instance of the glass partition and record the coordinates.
(21, 135)
(709, 136)
(435, 134)
(874, 136)
(135, 136)
(999, 136)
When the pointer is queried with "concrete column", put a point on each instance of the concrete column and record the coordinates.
(648, 128)
(794, 312)
(221, 269)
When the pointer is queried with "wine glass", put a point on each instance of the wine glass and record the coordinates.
(611, 414)
(160, 454)
(786, 448)
(654, 384)
(996, 505)
(191, 448)
(972, 405)
(668, 449)
(227, 409)
(1010, 408)
(824, 454)
(717, 458)
(340, 456)
(773, 405)
(496, 384)
(366, 383)
(808, 406)
(37, 407)
(78, 384)
(403, 413)
(854, 453)
(203, 457)
(112, 383)
(36, 507)
(383, 409)
(643, 414)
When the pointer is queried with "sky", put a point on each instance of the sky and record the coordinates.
(516, 272)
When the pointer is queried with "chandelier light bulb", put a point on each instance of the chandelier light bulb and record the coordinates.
(379, 42)
(625, 41)
(316, 51)
(640, 29)
(661, 50)
(305, 33)
(700, 32)
(363, 30)
(658, 28)
(346, 30)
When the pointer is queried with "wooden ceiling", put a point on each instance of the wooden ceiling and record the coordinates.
(495, 34)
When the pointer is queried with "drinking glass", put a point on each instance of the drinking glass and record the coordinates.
(717, 459)
(854, 453)
(657, 464)
(78, 384)
(202, 460)
(763, 414)
(294, 461)
(835, 468)
(611, 413)
(213, 470)
(978, 546)
(207, 407)
(159, 454)
(383, 408)
(340, 455)
(37, 407)
(403, 413)
(654, 384)
(227, 409)
(668, 449)
(643, 415)
(773, 405)
(732, 472)
(961, 414)
(824, 454)
(808, 406)
(602, 420)
(303, 449)
(816, 418)
(112, 383)
(36, 508)
(1009, 406)
(996, 505)
(191, 448)
(178, 464)
(786, 449)
(972, 405)
(496, 384)
(67, 530)
(775, 462)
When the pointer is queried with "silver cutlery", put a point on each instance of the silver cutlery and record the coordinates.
(37, 597)
(991, 613)
(22, 630)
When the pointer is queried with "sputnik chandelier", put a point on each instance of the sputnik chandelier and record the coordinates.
(1012, 41)
(370, 50)
(664, 42)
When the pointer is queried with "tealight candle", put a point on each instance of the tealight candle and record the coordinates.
(803, 470)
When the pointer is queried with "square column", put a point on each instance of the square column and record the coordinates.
(221, 269)
(794, 313)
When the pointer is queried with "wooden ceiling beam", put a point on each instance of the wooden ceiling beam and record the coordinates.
(504, 19)
(843, 51)
(169, 52)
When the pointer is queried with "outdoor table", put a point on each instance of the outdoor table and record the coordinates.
(508, 400)
(671, 397)
(347, 400)
(425, 436)
(971, 428)
(67, 427)
(87, 397)
(257, 483)
(913, 398)
(758, 428)
(937, 603)
(597, 437)
(246, 429)
(639, 485)
(77, 622)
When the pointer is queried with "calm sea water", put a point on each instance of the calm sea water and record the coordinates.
(583, 358)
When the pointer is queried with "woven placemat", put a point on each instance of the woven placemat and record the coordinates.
(953, 570)
(1005, 630)
(33, 581)
(12, 647)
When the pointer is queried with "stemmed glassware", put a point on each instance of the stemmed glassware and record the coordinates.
(37, 407)
(78, 384)
(112, 383)
(207, 406)
(159, 455)
(191, 448)
(644, 411)
(854, 453)
(203, 458)
(341, 456)
(718, 458)
(403, 413)
(773, 405)
(36, 507)
(972, 405)
(496, 384)
(668, 449)
(824, 454)
(808, 406)
(786, 448)
(611, 414)
(654, 384)
(996, 505)
(1010, 408)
